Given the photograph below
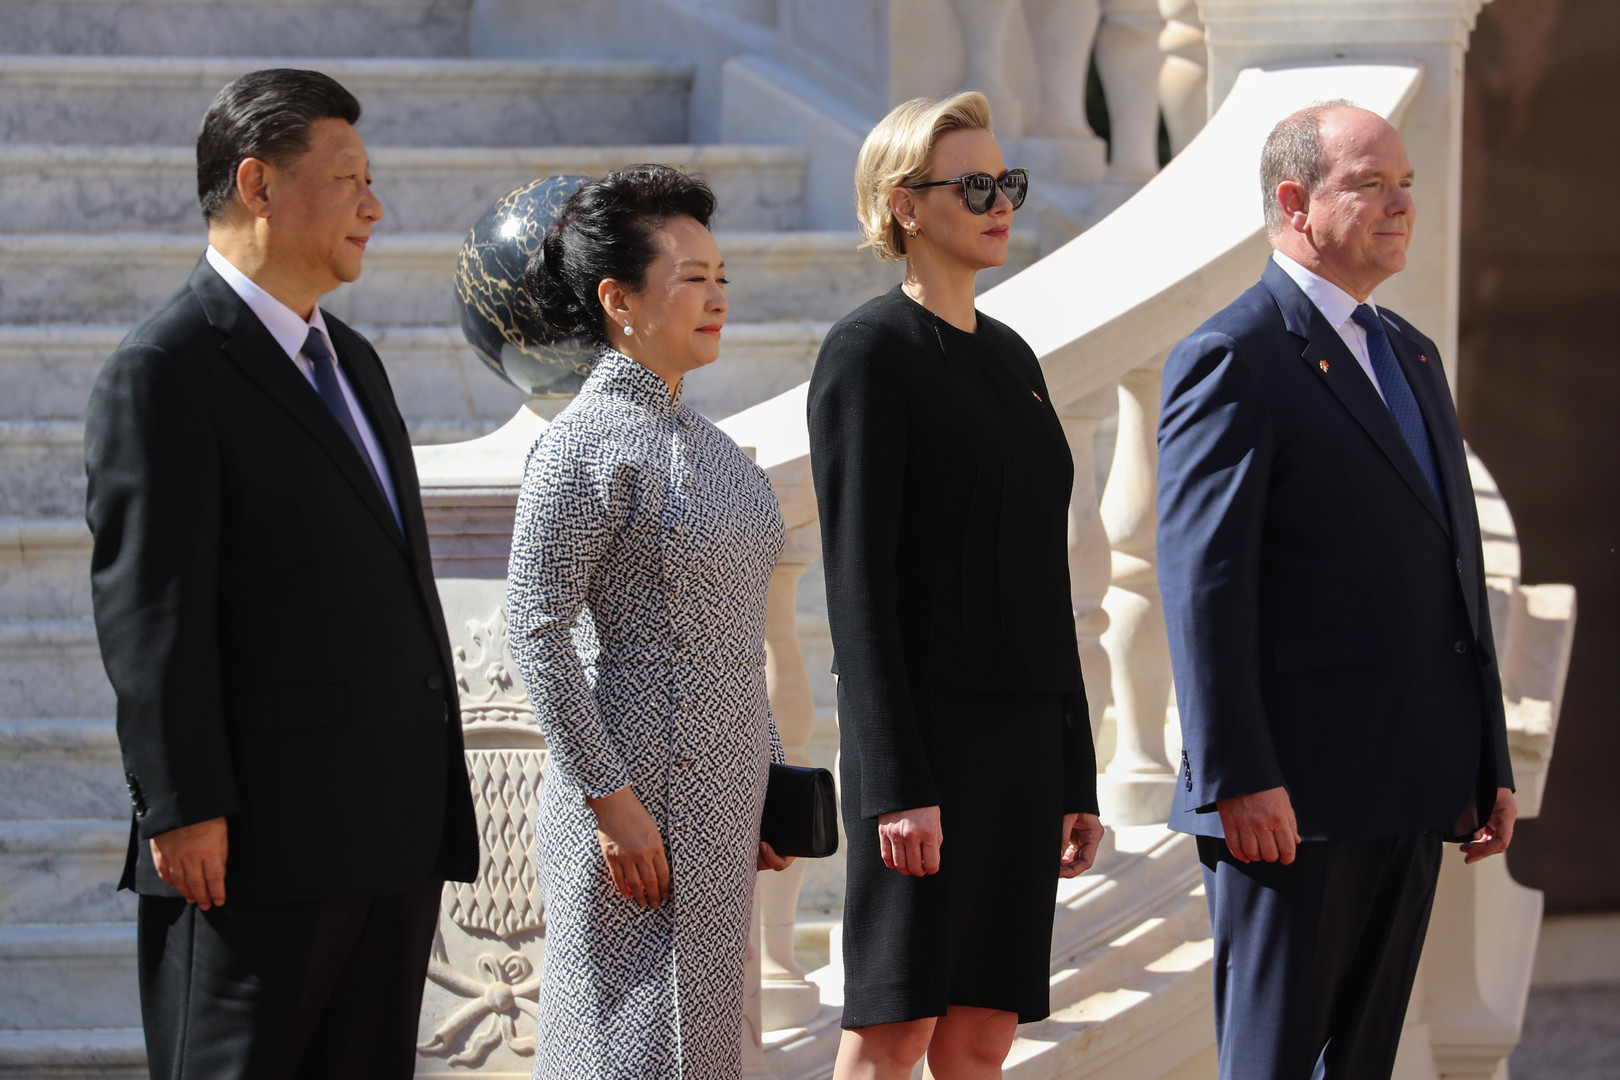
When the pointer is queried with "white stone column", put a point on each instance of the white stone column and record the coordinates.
(1138, 785)
(1184, 78)
(1089, 557)
(1243, 33)
(1128, 62)
(787, 999)
(984, 34)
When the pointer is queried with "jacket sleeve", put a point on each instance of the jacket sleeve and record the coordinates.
(858, 433)
(569, 511)
(1079, 756)
(153, 508)
(1215, 453)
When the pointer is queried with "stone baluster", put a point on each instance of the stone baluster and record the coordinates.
(1128, 62)
(1184, 78)
(1137, 786)
(984, 26)
(1089, 568)
(787, 999)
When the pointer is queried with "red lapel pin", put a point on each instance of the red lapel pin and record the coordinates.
(1322, 364)
(1036, 396)
(1422, 359)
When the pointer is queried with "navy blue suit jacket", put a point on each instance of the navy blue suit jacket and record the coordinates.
(1328, 618)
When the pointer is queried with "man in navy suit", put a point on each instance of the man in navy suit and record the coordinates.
(1323, 582)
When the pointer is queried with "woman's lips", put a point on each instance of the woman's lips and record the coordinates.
(715, 330)
(1000, 233)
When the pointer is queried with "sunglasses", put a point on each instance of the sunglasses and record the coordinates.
(979, 189)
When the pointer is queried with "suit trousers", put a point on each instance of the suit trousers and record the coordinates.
(290, 991)
(1314, 961)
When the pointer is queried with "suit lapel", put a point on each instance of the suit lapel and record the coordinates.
(253, 350)
(1327, 354)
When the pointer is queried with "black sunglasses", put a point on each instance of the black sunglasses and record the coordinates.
(979, 189)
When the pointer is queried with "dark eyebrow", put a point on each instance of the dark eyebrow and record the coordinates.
(704, 263)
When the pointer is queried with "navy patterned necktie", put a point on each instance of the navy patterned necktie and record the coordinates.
(1398, 396)
(326, 384)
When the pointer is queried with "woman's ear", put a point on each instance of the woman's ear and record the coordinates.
(903, 205)
(615, 306)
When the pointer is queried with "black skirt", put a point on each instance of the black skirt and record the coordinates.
(978, 932)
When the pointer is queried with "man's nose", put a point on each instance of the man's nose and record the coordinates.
(371, 207)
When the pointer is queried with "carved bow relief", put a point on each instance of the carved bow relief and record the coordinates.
(509, 989)
(499, 916)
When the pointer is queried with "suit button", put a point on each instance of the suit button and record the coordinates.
(435, 682)
(1460, 647)
(1459, 566)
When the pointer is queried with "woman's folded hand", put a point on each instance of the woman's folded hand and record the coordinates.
(633, 848)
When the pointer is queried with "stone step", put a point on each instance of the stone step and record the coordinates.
(65, 975)
(63, 872)
(73, 1054)
(46, 372)
(46, 187)
(60, 769)
(238, 27)
(52, 668)
(408, 279)
(160, 100)
(44, 568)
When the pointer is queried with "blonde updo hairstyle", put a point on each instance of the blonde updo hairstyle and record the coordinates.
(899, 152)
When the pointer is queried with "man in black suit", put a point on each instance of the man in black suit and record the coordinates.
(1324, 586)
(268, 618)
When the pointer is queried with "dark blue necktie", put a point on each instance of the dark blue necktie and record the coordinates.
(1398, 396)
(326, 384)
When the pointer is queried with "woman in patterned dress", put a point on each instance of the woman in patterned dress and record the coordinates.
(642, 550)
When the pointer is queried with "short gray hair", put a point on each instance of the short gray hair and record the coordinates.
(1293, 151)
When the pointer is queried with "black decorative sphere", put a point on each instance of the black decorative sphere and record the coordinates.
(496, 315)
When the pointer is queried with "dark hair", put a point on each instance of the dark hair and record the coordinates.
(265, 115)
(605, 230)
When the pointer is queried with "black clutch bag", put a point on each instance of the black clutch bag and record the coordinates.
(801, 812)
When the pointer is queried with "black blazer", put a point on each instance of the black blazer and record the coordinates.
(276, 646)
(1328, 619)
(943, 479)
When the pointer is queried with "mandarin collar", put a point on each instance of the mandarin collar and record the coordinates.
(618, 375)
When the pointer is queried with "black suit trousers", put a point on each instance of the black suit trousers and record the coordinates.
(291, 991)
(1314, 961)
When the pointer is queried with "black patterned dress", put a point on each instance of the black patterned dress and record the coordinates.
(643, 548)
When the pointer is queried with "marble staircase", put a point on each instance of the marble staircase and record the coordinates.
(99, 104)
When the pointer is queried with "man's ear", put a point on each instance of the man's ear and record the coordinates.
(254, 179)
(1295, 202)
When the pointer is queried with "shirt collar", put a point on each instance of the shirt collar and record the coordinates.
(617, 374)
(1334, 303)
(285, 325)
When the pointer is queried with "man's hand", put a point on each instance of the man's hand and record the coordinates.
(1497, 834)
(1260, 826)
(1081, 835)
(910, 840)
(191, 860)
(633, 848)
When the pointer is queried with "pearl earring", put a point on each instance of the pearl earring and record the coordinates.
(627, 330)
(911, 228)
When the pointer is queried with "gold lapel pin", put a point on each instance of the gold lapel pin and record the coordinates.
(1034, 395)
(1323, 364)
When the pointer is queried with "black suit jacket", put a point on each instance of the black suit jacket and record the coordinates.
(1328, 617)
(943, 480)
(276, 645)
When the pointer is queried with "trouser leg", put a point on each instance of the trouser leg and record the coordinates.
(1314, 961)
(245, 991)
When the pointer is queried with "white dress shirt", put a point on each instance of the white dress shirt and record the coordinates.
(290, 331)
(1336, 307)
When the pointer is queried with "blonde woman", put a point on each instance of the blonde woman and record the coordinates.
(943, 476)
